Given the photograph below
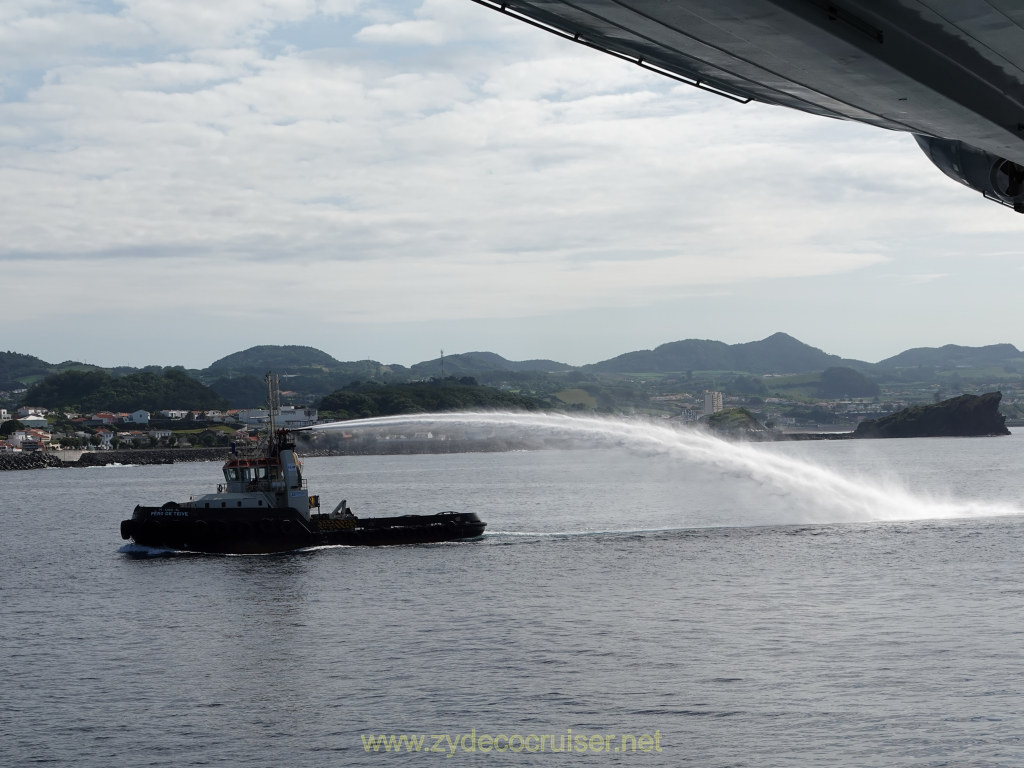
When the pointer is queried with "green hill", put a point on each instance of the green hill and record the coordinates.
(779, 353)
(734, 421)
(16, 367)
(18, 370)
(628, 381)
(368, 400)
(475, 363)
(306, 373)
(272, 357)
(955, 356)
(98, 390)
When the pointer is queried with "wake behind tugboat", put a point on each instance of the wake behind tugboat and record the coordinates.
(264, 507)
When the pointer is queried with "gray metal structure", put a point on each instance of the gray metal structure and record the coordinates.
(949, 71)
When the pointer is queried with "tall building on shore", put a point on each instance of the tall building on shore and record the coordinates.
(712, 402)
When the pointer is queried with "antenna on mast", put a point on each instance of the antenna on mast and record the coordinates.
(442, 365)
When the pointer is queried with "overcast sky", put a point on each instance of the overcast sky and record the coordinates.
(180, 180)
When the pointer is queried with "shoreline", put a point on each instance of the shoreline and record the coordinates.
(53, 459)
(59, 459)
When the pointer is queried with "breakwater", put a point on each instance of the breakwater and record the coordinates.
(41, 460)
(44, 460)
(36, 460)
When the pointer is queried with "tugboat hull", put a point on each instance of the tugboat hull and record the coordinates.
(181, 528)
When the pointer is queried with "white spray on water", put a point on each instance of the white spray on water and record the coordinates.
(837, 497)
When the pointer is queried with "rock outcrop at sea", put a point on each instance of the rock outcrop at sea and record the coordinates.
(963, 416)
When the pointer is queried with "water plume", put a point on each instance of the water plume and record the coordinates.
(832, 495)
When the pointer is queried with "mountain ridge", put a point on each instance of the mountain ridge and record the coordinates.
(778, 353)
(952, 355)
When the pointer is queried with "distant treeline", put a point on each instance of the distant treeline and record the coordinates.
(361, 401)
(91, 391)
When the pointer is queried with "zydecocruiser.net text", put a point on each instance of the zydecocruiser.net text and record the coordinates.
(449, 744)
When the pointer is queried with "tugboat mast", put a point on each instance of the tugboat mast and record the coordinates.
(273, 399)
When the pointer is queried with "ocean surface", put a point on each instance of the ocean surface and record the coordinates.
(650, 602)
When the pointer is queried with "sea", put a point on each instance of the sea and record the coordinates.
(646, 598)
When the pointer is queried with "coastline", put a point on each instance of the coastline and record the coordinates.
(47, 460)
(61, 459)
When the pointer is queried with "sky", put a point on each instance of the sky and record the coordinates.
(181, 180)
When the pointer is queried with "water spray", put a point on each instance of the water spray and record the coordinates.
(846, 498)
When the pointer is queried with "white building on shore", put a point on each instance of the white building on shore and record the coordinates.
(712, 402)
(289, 417)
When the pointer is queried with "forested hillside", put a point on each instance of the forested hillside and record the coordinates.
(365, 401)
(98, 390)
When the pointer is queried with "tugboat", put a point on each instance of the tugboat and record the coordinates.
(264, 507)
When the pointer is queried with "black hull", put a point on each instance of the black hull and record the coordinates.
(179, 528)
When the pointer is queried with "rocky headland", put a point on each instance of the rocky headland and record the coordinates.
(963, 416)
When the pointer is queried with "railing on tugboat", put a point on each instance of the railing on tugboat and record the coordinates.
(271, 486)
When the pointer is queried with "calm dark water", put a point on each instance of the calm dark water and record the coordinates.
(736, 617)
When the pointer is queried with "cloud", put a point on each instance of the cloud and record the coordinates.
(308, 156)
(231, 22)
(424, 161)
(404, 33)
